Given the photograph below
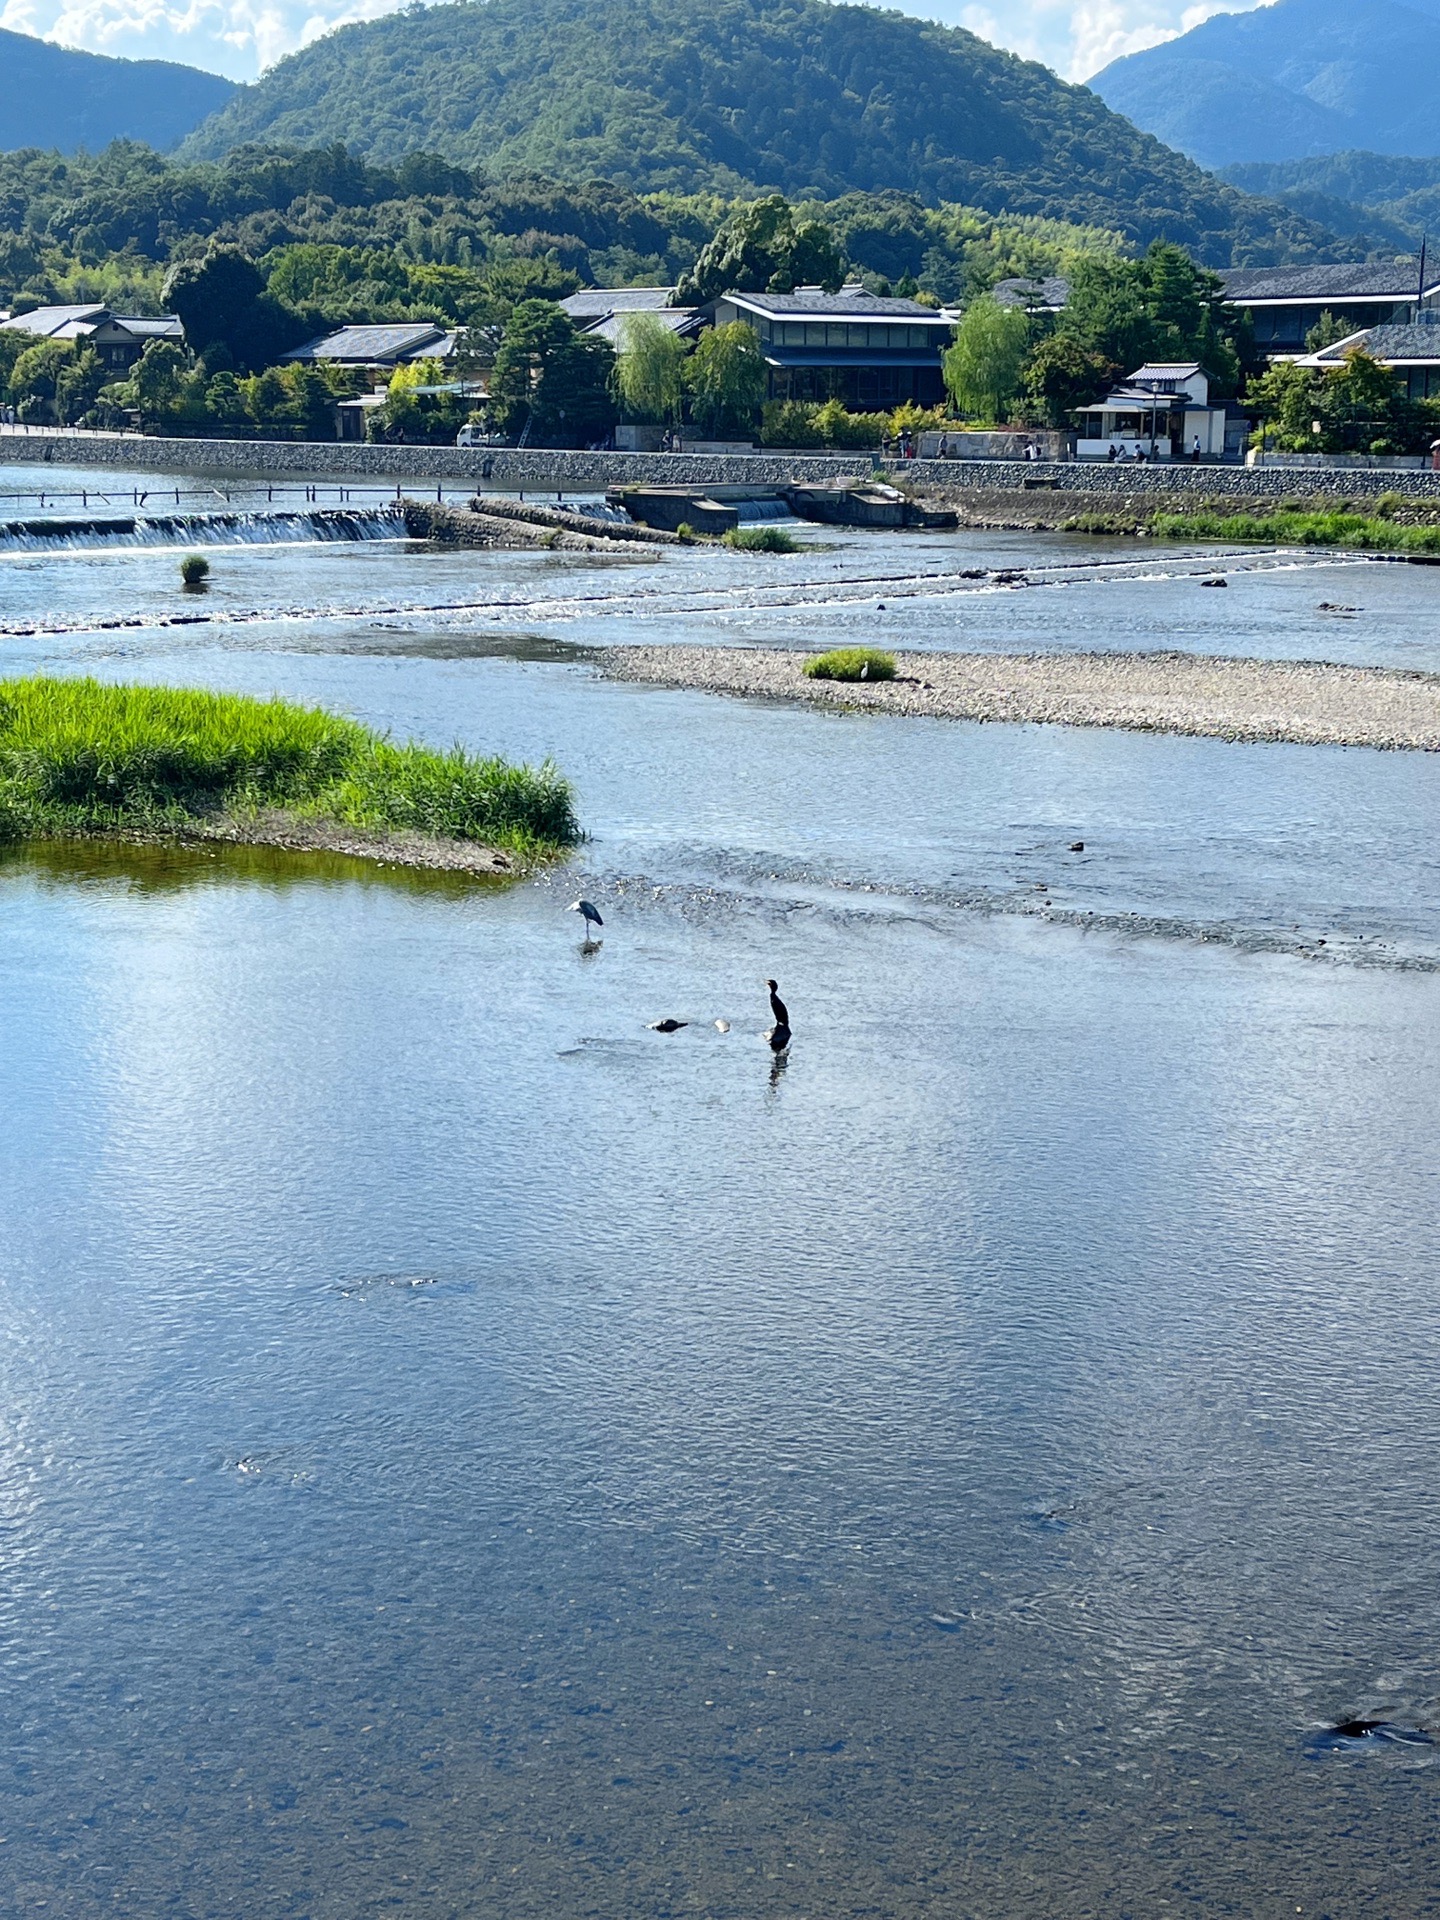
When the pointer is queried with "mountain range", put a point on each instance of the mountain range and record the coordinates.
(55, 97)
(1374, 200)
(800, 96)
(1300, 78)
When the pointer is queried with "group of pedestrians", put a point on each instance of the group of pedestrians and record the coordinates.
(1141, 457)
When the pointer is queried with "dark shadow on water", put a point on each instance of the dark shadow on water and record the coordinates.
(148, 869)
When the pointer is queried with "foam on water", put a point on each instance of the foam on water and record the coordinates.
(87, 533)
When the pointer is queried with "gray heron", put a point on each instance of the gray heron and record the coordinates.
(589, 913)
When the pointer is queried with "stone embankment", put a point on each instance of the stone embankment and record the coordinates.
(508, 523)
(1303, 702)
(578, 471)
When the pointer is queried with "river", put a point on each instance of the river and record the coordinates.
(463, 1452)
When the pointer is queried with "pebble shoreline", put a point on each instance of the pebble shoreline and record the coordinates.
(1305, 703)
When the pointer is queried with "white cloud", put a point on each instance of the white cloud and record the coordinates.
(241, 37)
(1076, 37)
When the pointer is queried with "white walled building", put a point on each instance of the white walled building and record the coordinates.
(1162, 410)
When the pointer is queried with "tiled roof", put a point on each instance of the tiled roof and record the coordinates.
(851, 303)
(48, 321)
(611, 326)
(370, 344)
(148, 326)
(1051, 292)
(1372, 280)
(593, 303)
(1394, 345)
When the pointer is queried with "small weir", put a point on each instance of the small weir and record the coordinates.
(86, 532)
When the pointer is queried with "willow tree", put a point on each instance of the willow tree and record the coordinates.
(725, 376)
(648, 373)
(984, 363)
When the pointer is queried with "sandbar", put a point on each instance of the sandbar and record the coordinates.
(1304, 702)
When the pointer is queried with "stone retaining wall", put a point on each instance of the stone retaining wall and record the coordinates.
(572, 472)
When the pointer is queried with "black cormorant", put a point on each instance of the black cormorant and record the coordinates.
(779, 1034)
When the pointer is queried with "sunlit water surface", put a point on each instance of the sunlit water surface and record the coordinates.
(462, 1452)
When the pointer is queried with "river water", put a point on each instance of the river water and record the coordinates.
(462, 1452)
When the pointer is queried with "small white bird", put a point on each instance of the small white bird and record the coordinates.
(722, 1026)
(589, 912)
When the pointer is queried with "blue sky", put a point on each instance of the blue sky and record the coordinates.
(240, 37)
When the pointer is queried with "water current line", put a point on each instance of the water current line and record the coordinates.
(641, 602)
(831, 895)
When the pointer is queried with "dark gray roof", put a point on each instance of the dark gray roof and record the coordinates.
(851, 303)
(370, 344)
(1374, 280)
(144, 326)
(594, 303)
(611, 326)
(1396, 346)
(1052, 292)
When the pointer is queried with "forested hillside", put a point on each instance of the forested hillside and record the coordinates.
(798, 96)
(55, 97)
(1379, 199)
(358, 241)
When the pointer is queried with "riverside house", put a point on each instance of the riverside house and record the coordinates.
(381, 348)
(1163, 411)
(1284, 303)
(118, 338)
(870, 353)
(1411, 350)
(603, 311)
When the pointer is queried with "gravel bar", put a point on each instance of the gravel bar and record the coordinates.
(1307, 702)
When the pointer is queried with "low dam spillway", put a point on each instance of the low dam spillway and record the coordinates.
(50, 533)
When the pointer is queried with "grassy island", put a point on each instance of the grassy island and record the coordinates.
(82, 757)
(1365, 532)
(1376, 531)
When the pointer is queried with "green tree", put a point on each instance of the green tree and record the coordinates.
(222, 301)
(1326, 331)
(983, 363)
(1286, 402)
(225, 401)
(1357, 407)
(649, 369)
(35, 380)
(209, 293)
(157, 380)
(551, 378)
(1063, 375)
(1362, 409)
(1160, 307)
(78, 387)
(268, 399)
(312, 401)
(725, 377)
(760, 247)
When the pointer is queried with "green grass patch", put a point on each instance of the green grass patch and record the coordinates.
(79, 756)
(1370, 533)
(761, 540)
(851, 663)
